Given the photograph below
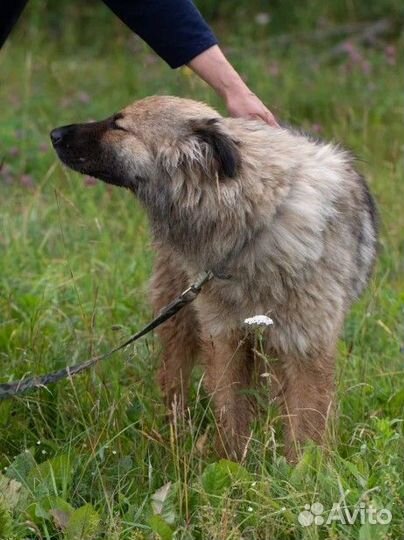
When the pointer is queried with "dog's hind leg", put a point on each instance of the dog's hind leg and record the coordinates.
(228, 366)
(179, 335)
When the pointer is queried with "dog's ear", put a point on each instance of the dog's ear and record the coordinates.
(221, 147)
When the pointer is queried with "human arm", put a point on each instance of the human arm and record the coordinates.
(177, 32)
(174, 29)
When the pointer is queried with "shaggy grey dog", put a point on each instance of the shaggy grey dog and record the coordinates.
(286, 224)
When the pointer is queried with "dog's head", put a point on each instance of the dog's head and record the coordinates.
(150, 141)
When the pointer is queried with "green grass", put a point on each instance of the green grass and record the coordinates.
(86, 458)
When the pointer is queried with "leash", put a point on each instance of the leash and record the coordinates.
(21, 386)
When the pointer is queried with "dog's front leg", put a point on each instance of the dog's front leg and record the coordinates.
(228, 371)
(179, 335)
(180, 340)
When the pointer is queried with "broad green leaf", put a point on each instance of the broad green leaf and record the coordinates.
(83, 524)
(159, 526)
(52, 477)
(57, 503)
(308, 465)
(21, 466)
(218, 477)
(46, 507)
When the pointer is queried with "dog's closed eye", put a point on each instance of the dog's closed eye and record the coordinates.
(114, 123)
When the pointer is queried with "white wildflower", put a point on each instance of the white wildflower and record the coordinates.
(262, 18)
(259, 320)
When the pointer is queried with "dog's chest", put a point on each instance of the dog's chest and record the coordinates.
(225, 304)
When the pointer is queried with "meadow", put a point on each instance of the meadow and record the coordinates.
(94, 457)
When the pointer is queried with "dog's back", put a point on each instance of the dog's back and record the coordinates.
(299, 222)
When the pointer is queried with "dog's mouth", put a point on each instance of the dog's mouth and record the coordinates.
(69, 157)
(73, 158)
(87, 167)
(76, 163)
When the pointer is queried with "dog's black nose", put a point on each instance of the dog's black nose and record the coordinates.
(58, 134)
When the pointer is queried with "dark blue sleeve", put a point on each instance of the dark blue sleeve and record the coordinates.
(174, 29)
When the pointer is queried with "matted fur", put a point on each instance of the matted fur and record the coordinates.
(285, 222)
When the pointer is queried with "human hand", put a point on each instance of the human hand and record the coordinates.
(213, 67)
(247, 105)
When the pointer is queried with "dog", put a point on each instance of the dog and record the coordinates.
(286, 225)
